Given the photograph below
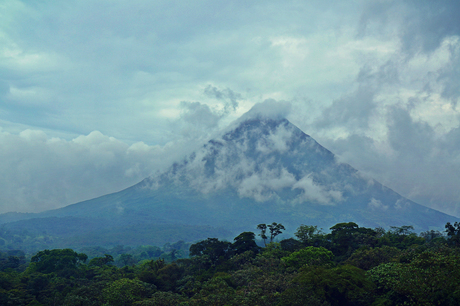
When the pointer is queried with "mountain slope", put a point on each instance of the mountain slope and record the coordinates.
(262, 170)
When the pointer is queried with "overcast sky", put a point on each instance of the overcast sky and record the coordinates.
(97, 95)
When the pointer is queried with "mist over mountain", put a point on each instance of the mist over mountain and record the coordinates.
(262, 169)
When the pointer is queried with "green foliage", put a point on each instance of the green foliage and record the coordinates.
(453, 232)
(290, 244)
(212, 247)
(400, 237)
(273, 250)
(216, 291)
(299, 295)
(84, 294)
(431, 235)
(344, 285)
(125, 260)
(347, 237)
(309, 235)
(149, 251)
(168, 276)
(431, 278)
(25, 240)
(263, 231)
(126, 291)
(308, 256)
(275, 229)
(239, 261)
(245, 242)
(368, 258)
(163, 299)
(261, 283)
(402, 269)
(48, 261)
(101, 261)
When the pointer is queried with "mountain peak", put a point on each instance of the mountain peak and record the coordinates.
(261, 169)
(262, 158)
(268, 109)
(267, 160)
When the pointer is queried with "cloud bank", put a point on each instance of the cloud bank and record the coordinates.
(44, 172)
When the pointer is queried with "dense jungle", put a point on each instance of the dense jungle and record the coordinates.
(349, 265)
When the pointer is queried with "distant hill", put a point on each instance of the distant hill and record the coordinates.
(261, 170)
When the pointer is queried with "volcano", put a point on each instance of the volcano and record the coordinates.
(260, 170)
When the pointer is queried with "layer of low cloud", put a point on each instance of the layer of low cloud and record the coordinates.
(39, 172)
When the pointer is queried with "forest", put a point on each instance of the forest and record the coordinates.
(349, 265)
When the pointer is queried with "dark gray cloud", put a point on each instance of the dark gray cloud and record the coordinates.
(449, 76)
(356, 109)
(425, 164)
(408, 137)
(421, 25)
(352, 111)
(413, 159)
(429, 23)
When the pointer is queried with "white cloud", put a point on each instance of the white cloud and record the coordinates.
(277, 140)
(39, 172)
(401, 204)
(261, 186)
(312, 191)
(236, 164)
(377, 205)
(269, 108)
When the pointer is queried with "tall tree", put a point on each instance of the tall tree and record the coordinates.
(309, 235)
(245, 242)
(275, 230)
(48, 261)
(453, 232)
(263, 231)
(211, 247)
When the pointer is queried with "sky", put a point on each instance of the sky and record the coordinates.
(97, 95)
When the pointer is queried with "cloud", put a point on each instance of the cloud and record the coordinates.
(269, 108)
(262, 185)
(248, 161)
(314, 192)
(397, 124)
(352, 111)
(377, 205)
(278, 140)
(402, 204)
(197, 118)
(413, 159)
(375, 81)
(39, 172)
(229, 96)
(422, 25)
